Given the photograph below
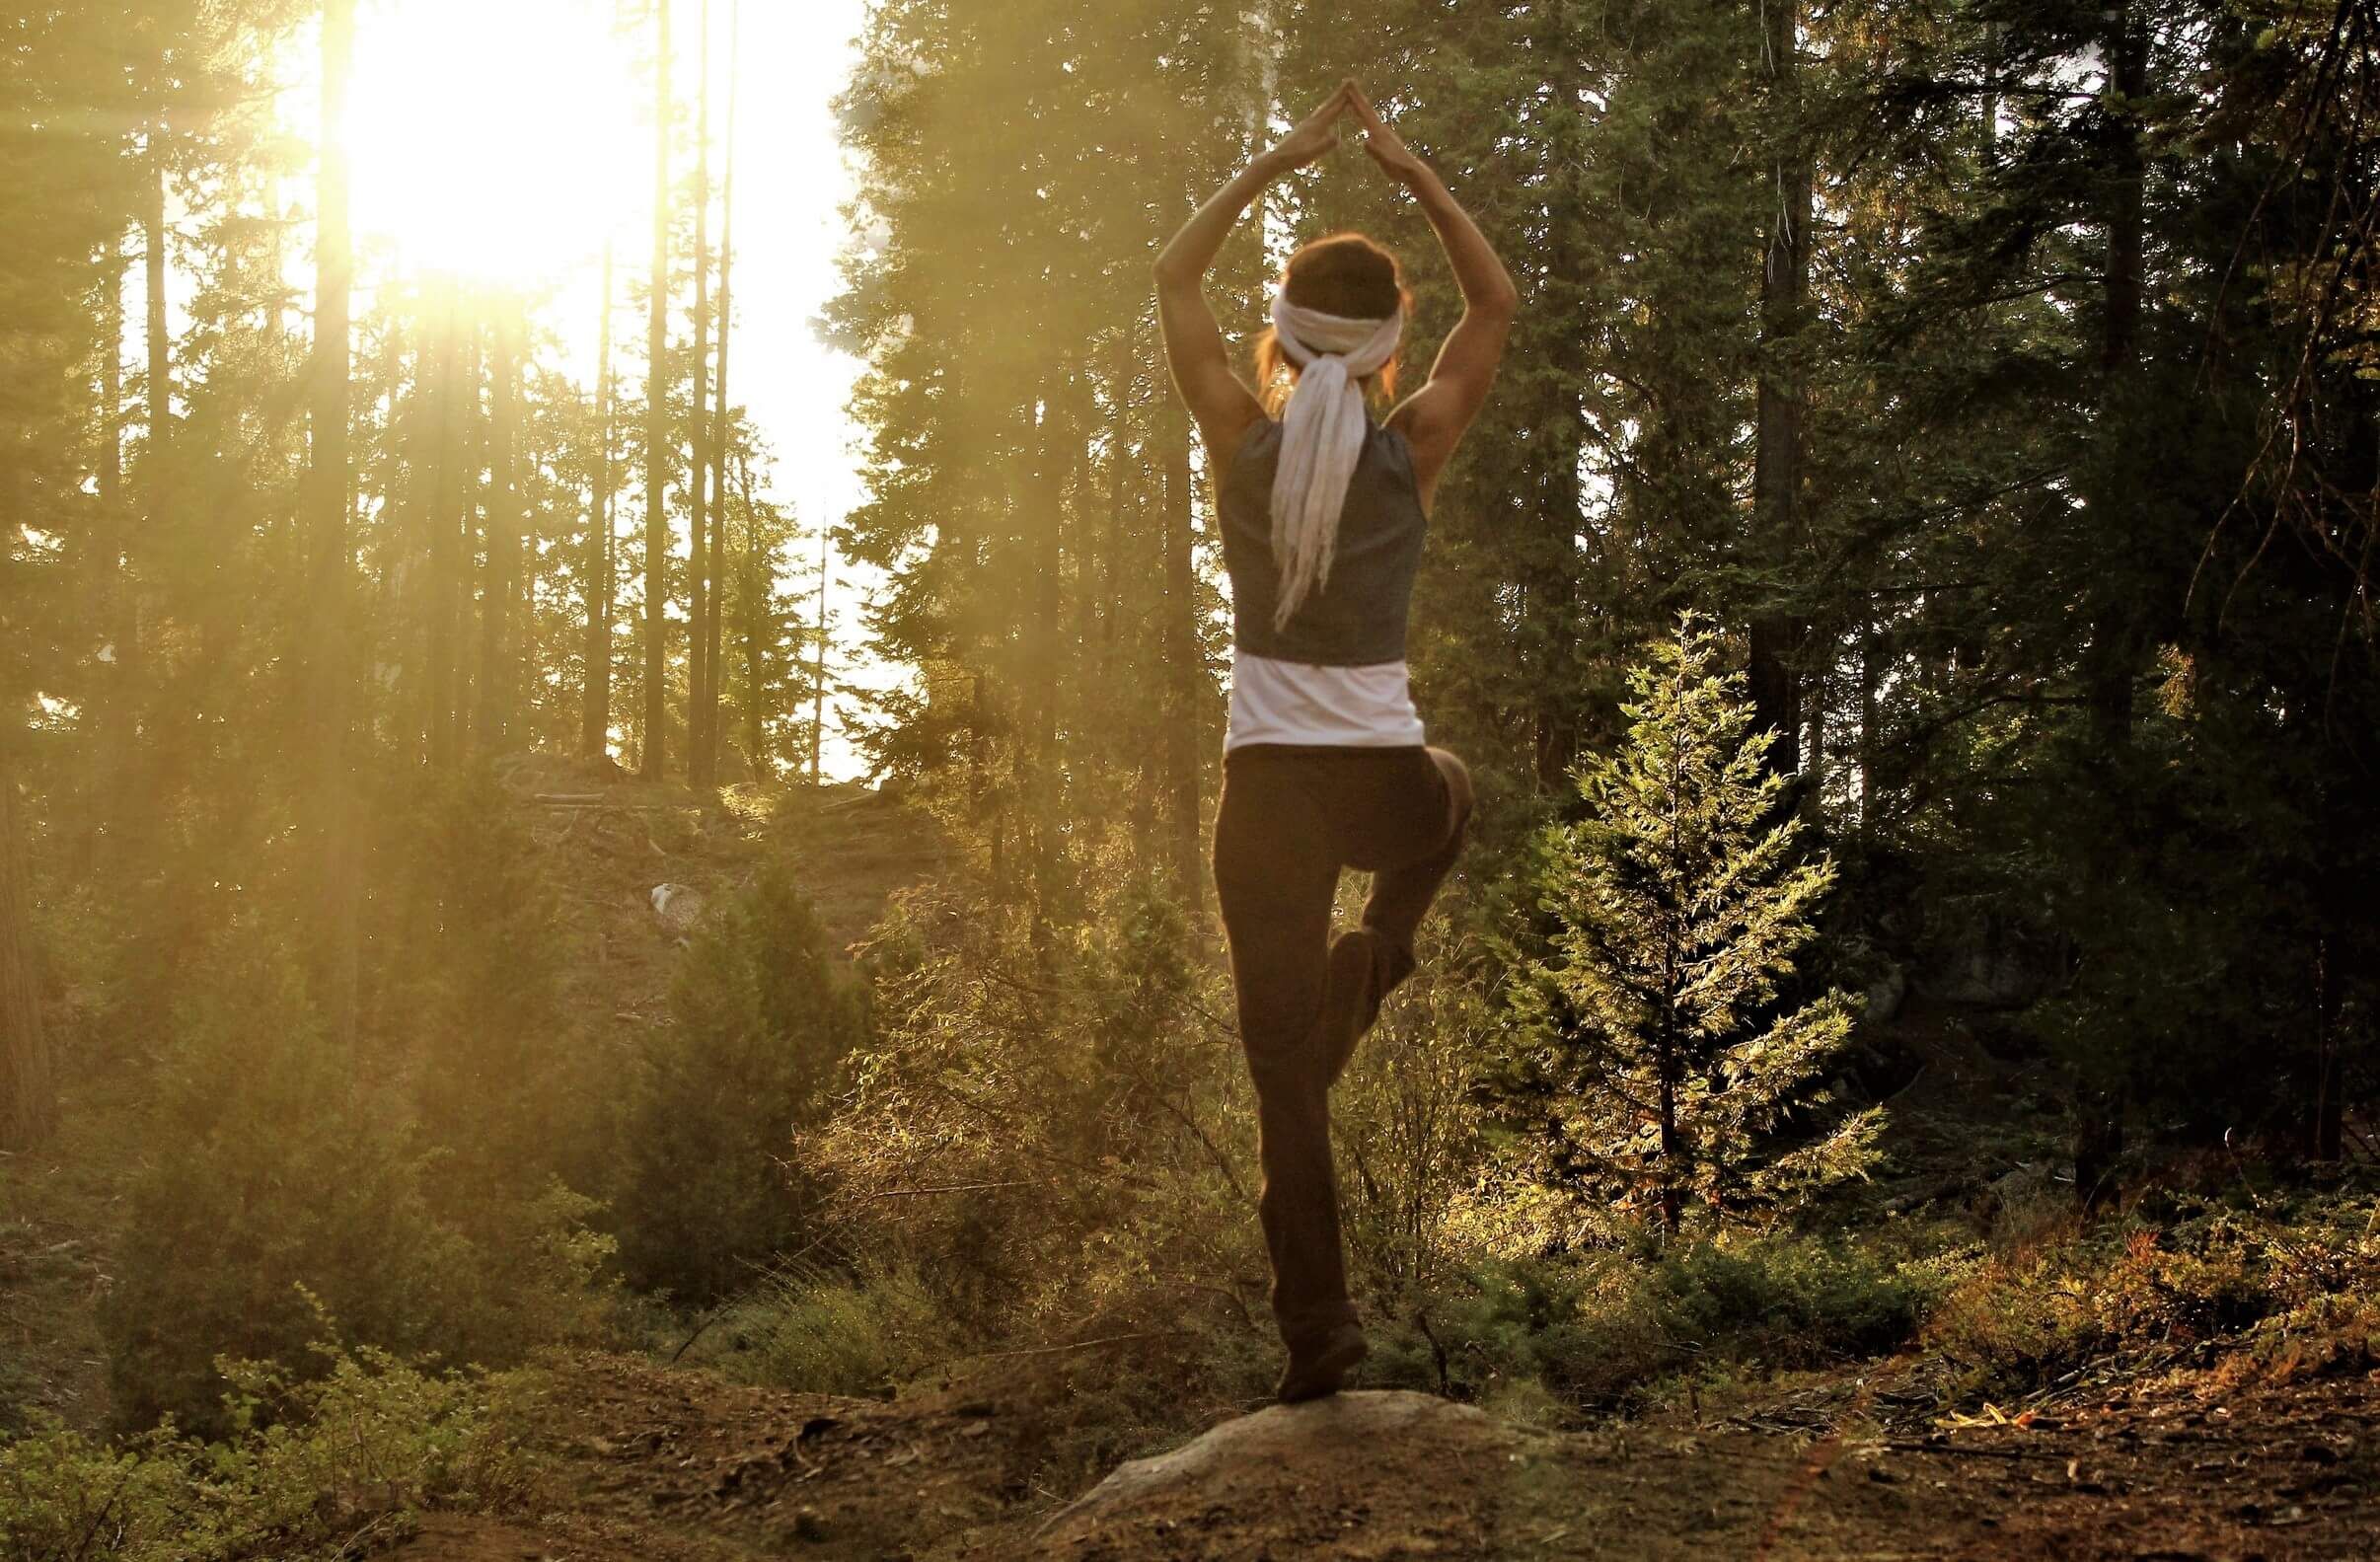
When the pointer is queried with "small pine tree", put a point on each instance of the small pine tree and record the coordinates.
(1680, 905)
(763, 1019)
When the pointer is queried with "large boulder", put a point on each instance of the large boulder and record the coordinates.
(1366, 1474)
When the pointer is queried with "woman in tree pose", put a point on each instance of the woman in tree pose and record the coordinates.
(1324, 767)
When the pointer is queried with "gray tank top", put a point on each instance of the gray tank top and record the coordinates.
(1358, 618)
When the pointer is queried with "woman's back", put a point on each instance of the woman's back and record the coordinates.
(1357, 616)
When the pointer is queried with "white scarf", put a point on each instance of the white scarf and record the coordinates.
(1323, 432)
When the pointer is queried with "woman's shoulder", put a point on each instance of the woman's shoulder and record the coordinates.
(1260, 433)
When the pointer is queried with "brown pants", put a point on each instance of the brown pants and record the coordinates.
(1290, 818)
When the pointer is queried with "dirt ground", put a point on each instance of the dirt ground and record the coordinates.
(680, 1465)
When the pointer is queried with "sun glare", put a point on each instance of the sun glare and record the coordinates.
(499, 139)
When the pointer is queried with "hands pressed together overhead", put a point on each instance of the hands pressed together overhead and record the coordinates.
(1434, 418)
(1317, 134)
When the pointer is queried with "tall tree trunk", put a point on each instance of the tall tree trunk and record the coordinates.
(1871, 672)
(161, 380)
(1550, 566)
(1054, 435)
(1672, 1146)
(756, 602)
(699, 705)
(1177, 633)
(712, 631)
(499, 678)
(1119, 468)
(139, 803)
(2118, 622)
(1777, 463)
(109, 749)
(819, 671)
(655, 737)
(446, 528)
(472, 604)
(594, 736)
(28, 1086)
(332, 643)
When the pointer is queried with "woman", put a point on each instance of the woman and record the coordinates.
(1324, 767)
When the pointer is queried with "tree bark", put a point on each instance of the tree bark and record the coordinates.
(1053, 437)
(161, 381)
(1672, 1149)
(595, 725)
(1178, 636)
(713, 632)
(332, 642)
(2118, 622)
(701, 706)
(446, 529)
(655, 739)
(471, 597)
(498, 659)
(755, 601)
(1549, 566)
(1777, 462)
(108, 752)
(818, 671)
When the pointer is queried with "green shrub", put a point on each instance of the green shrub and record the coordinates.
(310, 1465)
(270, 1167)
(1047, 1129)
(762, 1021)
(846, 1334)
(472, 958)
(1600, 1329)
(1408, 1128)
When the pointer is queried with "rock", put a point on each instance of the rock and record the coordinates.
(1885, 993)
(678, 906)
(1361, 1452)
(1990, 967)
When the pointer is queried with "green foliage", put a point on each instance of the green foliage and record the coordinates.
(1681, 905)
(762, 1020)
(308, 1467)
(1409, 1125)
(1602, 1330)
(1045, 1136)
(275, 1177)
(817, 1330)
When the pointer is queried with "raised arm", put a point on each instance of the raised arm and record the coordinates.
(1434, 417)
(1219, 401)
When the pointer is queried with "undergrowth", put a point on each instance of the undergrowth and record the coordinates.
(318, 1464)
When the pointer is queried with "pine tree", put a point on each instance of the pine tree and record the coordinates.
(1682, 902)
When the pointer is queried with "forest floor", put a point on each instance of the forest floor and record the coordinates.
(682, 1465)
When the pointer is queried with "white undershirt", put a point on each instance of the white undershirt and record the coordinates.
(1278, 701)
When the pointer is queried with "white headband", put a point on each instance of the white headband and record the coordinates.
(1323, 432)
